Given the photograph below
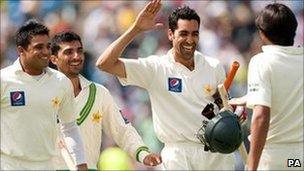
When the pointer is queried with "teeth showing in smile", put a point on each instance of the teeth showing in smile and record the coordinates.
(75, 63)
(188, 48)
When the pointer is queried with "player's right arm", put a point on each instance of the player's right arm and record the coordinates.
(109, 60)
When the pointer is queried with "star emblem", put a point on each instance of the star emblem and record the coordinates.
(207, 89)
(56, 102)
(96, 118)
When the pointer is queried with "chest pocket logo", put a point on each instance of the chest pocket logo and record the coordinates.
(17, 98)
(175, 84)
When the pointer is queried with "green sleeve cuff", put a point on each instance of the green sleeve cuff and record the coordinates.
(140, 149)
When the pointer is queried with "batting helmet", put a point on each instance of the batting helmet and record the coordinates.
(222, 133)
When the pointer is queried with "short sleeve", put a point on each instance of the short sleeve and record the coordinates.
(259, 83)
(139, 72)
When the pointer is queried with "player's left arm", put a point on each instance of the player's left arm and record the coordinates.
(124, 134)
(259, 129)
(69, 128)
(259, 99)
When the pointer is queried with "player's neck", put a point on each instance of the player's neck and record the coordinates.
(29, 69)
(187, 63)
(76, 84)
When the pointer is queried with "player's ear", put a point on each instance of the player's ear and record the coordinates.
(20, 50)
(170, 35)
(54, 59)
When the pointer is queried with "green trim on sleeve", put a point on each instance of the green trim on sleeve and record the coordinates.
(88, 106)
(140, 149)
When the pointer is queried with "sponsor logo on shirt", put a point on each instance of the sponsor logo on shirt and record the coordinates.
(17, 98)
(175, 84)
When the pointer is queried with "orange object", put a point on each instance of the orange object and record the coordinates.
(234, 67)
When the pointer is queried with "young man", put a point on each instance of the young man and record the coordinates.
(275, 91)
(180, 84)
(96, 110)
(32, 95)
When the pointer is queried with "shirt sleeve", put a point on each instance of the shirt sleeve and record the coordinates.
(139, 72)
(67, 105)
(259, 83)
(120, 129)
(73, 141)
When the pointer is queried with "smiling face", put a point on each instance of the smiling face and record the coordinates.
(184, 39)
(37, 54)
(70, 58)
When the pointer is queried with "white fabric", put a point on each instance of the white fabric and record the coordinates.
(110, 121)
(176, 115)
(275, 79)
(191, 156)
(29, 131)
(72, 139)
(275, 157)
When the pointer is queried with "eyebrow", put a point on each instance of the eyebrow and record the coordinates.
(185, 31)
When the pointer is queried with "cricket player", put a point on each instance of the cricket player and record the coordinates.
(96, 109)
(32, 96)
(180, 84)
(275, 92)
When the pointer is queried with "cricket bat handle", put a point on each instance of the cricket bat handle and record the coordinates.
(234, 67)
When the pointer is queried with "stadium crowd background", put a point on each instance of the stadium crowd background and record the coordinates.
(227, 32)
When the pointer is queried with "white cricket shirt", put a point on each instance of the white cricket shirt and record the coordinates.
(104, 115)
(29, 110)
(177, 94)
(275, 80)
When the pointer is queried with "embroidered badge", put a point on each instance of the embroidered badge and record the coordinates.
(96, 118)
(17, 98)
(56, 102)
(175, 84)
(208, 89)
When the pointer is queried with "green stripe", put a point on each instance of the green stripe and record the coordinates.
(84, 112)
(140, 149)
(89, 104)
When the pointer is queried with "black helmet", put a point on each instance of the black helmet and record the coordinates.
(222, 133)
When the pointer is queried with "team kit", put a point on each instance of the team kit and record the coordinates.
(53, 117)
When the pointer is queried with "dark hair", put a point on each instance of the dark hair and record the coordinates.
(26, 32)
(182, 13)
(278, 23)
(63, 37)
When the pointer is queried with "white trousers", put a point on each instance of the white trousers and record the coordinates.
(11, 163)
(191, 156)
(274, 157)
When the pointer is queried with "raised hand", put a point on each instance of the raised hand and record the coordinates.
(145, 20)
